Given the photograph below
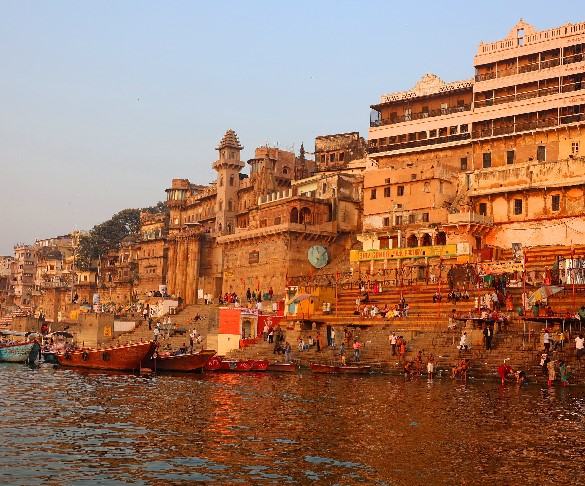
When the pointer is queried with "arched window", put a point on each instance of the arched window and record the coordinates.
(427, 187)
(441, 238)
(219, 227)
(412, 241)
(294, 215)
(231, 180)
(305, 216)
(285, 170)
(220, 205)
(221, 181)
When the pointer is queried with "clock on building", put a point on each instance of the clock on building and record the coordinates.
(318, 256)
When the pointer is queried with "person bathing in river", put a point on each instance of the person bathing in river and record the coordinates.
(504, 370)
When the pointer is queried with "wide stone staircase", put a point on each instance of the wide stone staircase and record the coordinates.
(202, 318)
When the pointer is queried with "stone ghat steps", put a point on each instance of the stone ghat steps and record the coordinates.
(186, 319)
(518, 352)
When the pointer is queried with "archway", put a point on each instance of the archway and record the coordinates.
(441, 238)
(411, 241)
(305, 216)
(248, 329)
(427, 240)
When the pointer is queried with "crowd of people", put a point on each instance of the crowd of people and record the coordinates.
(367, 308)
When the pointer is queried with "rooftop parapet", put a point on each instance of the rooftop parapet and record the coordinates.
(524, 34)
(429, 84)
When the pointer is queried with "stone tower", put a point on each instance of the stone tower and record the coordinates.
(228, 167)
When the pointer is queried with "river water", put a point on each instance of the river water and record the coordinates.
(68, 427)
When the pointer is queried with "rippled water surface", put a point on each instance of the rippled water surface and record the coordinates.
(74, 428)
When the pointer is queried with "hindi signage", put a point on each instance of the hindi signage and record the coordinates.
(401, 253)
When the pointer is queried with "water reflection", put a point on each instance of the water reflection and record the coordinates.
(80, 428)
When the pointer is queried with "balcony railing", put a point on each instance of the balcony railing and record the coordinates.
(527, 68)
(419, 143)
(526, 95)
(468, 218)
(519, 126)
(421, 115)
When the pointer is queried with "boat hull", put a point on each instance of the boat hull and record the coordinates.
(19, 352)
(189, 363)
(322, 368)
(131, 357)
(219, 363)
(283, 367)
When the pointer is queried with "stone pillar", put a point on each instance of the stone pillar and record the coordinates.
(192, 275)
(172, 267)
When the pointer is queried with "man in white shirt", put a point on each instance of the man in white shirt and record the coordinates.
(579, 341)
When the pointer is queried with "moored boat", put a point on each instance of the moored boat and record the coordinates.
(129, 357)
(26, 352)
(188, 362)
(283, 367)
(355, 369)
(220, 363)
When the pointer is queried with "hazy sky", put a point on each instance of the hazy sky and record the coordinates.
(103, 103)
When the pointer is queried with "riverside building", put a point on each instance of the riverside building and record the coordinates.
(253, 231)
(479, 163)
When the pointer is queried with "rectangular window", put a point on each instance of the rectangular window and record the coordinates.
(575, 148)
(400, 190)
(510, 156)
(386, 221)
(425, 217)
(487, 160)
(412, 218)
(464, 128)
(453, 130)
(432, 133)
(341, 156)
(413, 177)
(386, 192)
(463, 163)
(398, 220)
(373, 194)
(332, 157)
(323, 158)
(517, 207)
(541, 153)
(483, 209)
(425, 111)
(556, 202)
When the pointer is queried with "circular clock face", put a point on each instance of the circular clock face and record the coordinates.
(318, 256)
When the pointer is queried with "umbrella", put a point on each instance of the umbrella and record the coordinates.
(543, 292)
(297, 298)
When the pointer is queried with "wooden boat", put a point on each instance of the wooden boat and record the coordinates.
(220, 363)
(26, 352)
(283, 367)
(130, 357)
(188, 362)
(323, 368)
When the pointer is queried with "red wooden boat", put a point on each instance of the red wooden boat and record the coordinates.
(130, 357)
(188, 362)
(323, 368)
(221, 363)
(283, 367)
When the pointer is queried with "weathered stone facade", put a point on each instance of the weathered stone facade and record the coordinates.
(486, 161)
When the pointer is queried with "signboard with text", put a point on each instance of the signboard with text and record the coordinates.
(400, 253)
